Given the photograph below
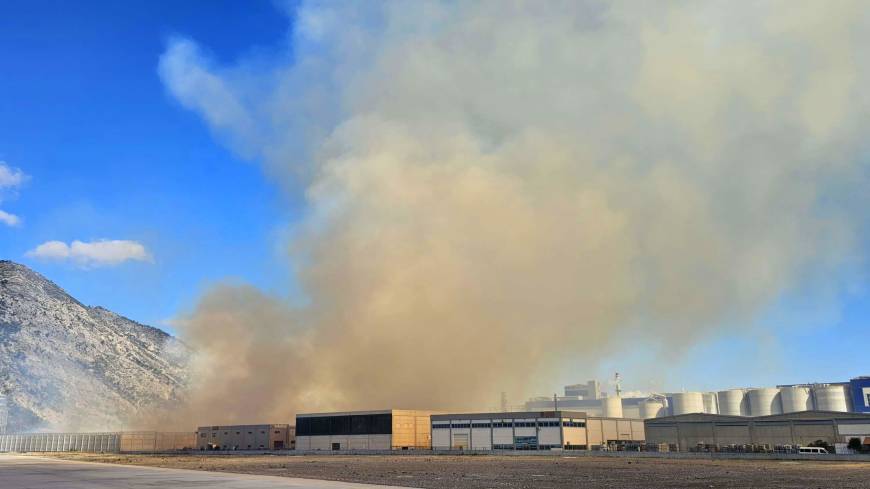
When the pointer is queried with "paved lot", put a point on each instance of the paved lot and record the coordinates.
(43, 473)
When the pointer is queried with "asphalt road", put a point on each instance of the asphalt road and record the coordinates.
(26, 472)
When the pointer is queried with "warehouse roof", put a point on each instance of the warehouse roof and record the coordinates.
(512, 415)
(423, 412)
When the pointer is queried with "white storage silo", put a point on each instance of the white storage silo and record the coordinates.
(733, 402)
(611, 407)
(831, 398)
(764, 401)
(710, 404)
(651, 408)
(795, 399)
(688, 402)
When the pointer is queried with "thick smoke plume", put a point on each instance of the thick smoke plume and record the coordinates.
(498, 188)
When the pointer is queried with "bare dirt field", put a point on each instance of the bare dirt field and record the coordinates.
(512, 472)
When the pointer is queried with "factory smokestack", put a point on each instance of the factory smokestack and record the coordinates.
(495, 189)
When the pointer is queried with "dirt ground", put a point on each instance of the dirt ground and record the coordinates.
(512, 472)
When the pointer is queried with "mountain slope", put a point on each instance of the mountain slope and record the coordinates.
(68, 366)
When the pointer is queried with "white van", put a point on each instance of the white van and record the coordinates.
(812, 450)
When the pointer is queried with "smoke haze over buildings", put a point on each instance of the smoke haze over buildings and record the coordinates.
(494, 188)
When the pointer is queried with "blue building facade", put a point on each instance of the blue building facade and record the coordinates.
(860, 387)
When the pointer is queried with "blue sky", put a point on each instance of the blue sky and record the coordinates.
(110, 155)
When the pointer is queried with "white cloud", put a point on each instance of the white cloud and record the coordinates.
(10, 180)
(92, 254)
(9, 219)
(10, 177)
(186, 74)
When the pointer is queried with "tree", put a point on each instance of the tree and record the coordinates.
(822, 444)
(855, 444)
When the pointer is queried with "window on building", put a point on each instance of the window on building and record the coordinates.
(526, 442)
(363, 424)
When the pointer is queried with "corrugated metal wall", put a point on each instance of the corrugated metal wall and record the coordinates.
(117, 442)
(60, 442)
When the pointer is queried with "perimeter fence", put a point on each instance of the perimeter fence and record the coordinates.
(108, 442)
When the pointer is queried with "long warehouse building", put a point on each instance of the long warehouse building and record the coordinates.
(690, 431)
(532, 430)
(390, 429)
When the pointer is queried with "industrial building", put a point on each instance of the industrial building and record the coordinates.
(590, 390)
(532, 430)
(686, 432)
(392, 429)
(246, 437)
(851, 396)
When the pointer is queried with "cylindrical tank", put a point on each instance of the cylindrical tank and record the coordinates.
(831, 398)
(688, 402)
(651, 408)
(611, 407)
(733, 402)
(764, 401)
(710, 405)
(795, 399)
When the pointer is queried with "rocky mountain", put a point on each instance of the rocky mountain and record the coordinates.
(68, 366)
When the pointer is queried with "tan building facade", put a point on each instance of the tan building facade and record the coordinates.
(246, 437)
(532, 430)
(689, 431)
(392, 429)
